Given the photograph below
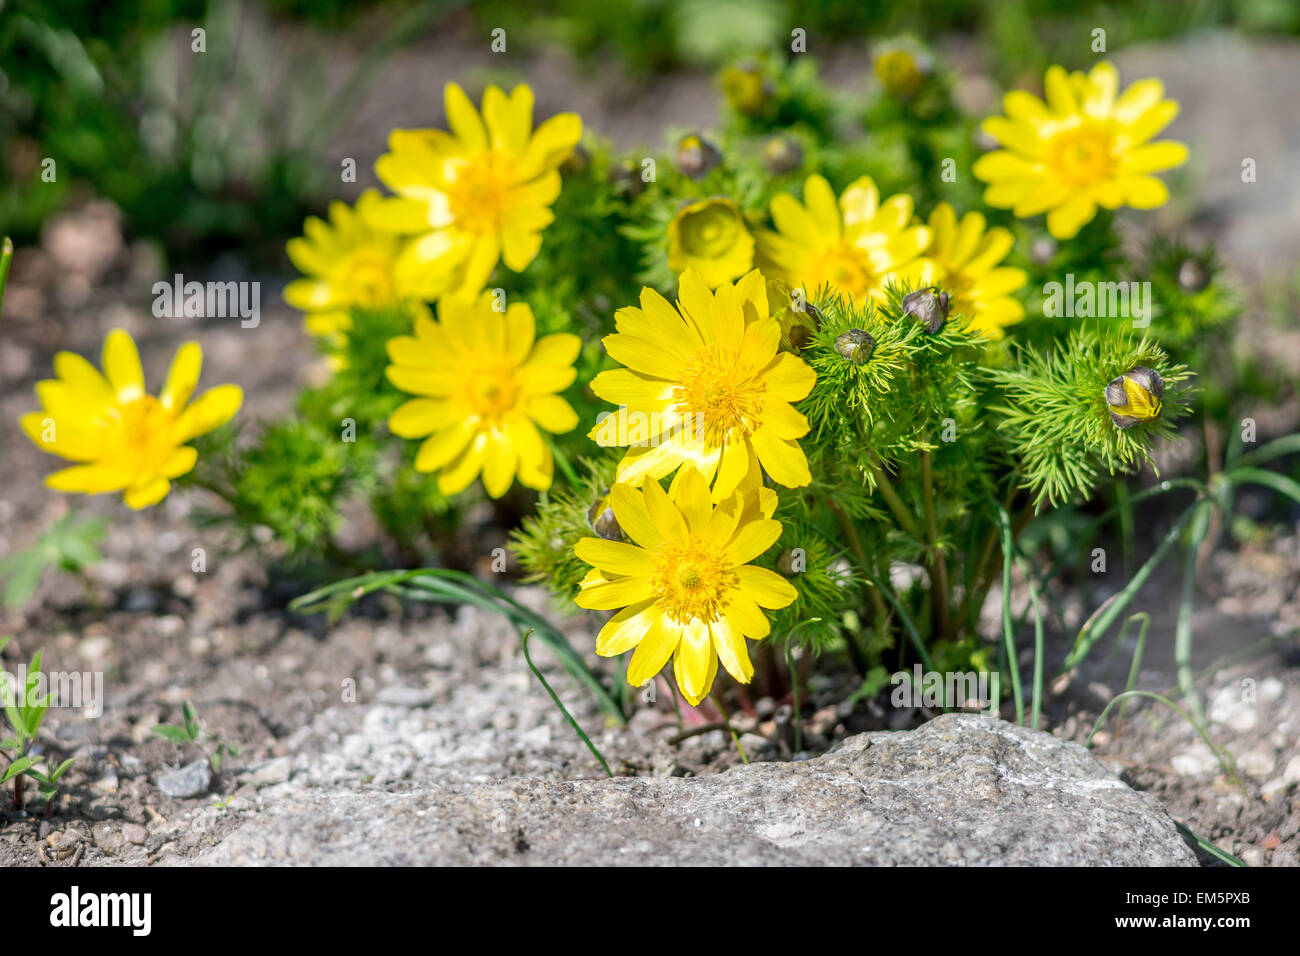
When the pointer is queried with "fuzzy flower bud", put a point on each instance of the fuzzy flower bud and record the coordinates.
(626, 180)
(696, 157)
(900, 72)
(1134, 397)
(745, 88)
(1193, 276)
(855, 346)
(782, 154)
(927, 305)
(601, 518)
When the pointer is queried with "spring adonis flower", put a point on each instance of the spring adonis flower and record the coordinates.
(123, 438)
(1084, 147)
(347, 262)
(685, 585)
(478, 194)
(486, 386)
(856, 243)
(705, 384)
(710, 236)
(962, 260)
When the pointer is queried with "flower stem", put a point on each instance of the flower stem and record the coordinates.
(6, 256)
(735, 738)
(938, 564)
(892, 499)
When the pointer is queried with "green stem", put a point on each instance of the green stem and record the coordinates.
(731, 730)
(523, 640)
(940, 595)
(1135, 667)
(892, 499)
(6, 256)
(860, 554)
(1200, 527)
(794, 695)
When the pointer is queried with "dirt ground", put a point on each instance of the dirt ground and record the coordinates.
(272, 682)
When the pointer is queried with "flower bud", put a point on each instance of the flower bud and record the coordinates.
(745, 88)
(1042, 250)
(782, 154)
(625, 179)
(601, 518)
(1134, 397)
(927, 305)
(577, 162)
(696, 157)
(900, 72)
(785, 563)
(855, 346)
(1193, 276)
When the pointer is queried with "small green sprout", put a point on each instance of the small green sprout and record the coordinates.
(25, 716)
(192, 732)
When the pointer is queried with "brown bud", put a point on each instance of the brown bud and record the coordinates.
(601, 518)
(696, 156)
(782, 154)
(855, 346)
(929, 306)
(626, 180)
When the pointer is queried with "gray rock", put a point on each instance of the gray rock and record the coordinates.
(192, 780)
(135, 834)
(268, 774)
(963, 789)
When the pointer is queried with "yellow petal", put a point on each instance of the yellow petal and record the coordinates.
(498, 465)
(182, 377)
(751, 540)
(420, 417)
(626, 629)
(653, 651)
(463, 118)
(148, 492)
(765, 588)
(457, 475)
(210, 410)
(781, 458)
(122, 366)
(729, 643)
(443, 446)
(693, 661)
(614, 557)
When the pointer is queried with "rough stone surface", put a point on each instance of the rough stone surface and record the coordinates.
(963, 789)
(191, 780)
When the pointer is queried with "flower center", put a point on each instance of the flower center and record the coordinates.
(717, 397)
(142, 428)
(847, 268)
(710, 232)
(367, 277)
(691, 580)
(493, 392)
(480, 196)
(1081, 155)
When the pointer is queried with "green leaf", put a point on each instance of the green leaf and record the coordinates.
(191, 720)
(18, 766)
(177, 735)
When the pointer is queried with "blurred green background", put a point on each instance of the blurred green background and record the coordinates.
(202, 154)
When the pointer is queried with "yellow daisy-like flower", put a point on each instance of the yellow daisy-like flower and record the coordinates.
(706, 385)
(347, 263)
(1084, 147)
(857, 244)
(123, 438)
(685, 584)
(486, 386)
(963, 260)
(481, 193)
(710, 237)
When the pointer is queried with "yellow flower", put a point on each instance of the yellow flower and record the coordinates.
(684, 583)
(122, 437)
(1085, 147)
(705, 385)
(480, 193)
(963, 261)
(857, 244)
(486, 387)
(710, 237)
(347, 262)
